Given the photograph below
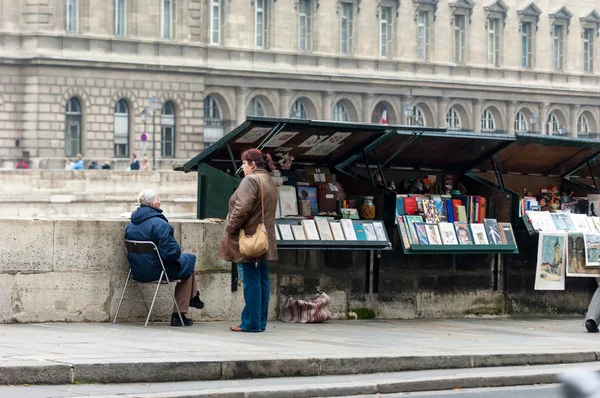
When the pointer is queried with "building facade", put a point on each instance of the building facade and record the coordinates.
(90, 77)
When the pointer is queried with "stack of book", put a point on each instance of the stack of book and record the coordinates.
(414, 230)
(436, 208)
(323, 229)
(528, 203)
(543, 221)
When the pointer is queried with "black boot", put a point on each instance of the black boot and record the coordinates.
(196, 302)
(591, 326)
(175, 321)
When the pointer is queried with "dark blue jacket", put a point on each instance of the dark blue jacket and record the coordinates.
(148, 223)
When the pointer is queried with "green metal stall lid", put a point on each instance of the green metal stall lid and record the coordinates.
(433, 149)
(316, 142)
(548, 155)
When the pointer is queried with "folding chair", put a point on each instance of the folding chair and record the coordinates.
(145, 247)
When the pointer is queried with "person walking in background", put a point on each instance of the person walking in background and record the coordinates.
(93, 165)
(106, 165)
(22, 164)
(78, 164)
(148, 223)
(254, 201)
(592, 317)
(69, 164)
(135, 163)
(146, 166)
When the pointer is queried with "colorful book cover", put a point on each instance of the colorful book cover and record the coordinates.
(478, 232)
(406, 238)
(410, 220)
(449, 210)
(508, 236)
(432, 215)
(400, 206)
(439, 203)
(310, 194)
(359, 230)
(463, 233)
(448, 233)
(492, 231)
(421, 232)
(433, 234)
(410, 205)
(370, 231)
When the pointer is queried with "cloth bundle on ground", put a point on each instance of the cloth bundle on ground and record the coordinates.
(312, 310)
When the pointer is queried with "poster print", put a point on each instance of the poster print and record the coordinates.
(337, 138)
(322, 149)
(551, 259)
(281, 138)
(253, 135)
(576, 258)
(591, 244)
(313, 140)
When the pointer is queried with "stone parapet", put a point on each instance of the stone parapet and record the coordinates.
(73, 270)
(92, 193)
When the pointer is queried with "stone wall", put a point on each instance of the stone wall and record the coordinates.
(92, 193)
(74, 270)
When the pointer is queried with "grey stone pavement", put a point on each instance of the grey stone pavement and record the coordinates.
(61, 353)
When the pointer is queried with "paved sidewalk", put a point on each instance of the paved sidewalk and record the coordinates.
(61, 353)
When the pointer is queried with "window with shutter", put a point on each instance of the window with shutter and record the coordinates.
(423, 39)
(72, 13)
(120, 17)
(304, 25)
(347, 31)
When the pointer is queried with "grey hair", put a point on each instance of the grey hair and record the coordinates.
(145, 197)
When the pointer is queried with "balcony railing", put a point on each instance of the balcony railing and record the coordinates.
(589, 136)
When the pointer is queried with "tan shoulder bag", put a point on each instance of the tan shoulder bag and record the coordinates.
(254, 246)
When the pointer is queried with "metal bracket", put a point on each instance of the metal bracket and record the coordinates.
(498, 172)
(345, 166)
(588, 162)
(235, 166)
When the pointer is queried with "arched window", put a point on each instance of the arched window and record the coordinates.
(488, 124)
(453, 120)
(213, 121)
(420, 117)
(73, 128)
(121, 129)
(553, 125)
(583, 126)
(298, 110)
(167, 128)
(521, 123)
(340, 112)
(256, 108)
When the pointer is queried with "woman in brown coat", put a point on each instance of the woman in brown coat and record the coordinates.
(246, 212)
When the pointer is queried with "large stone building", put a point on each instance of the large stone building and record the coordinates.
(77, 75)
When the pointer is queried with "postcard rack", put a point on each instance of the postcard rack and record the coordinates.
(331, 244)
(458, 249)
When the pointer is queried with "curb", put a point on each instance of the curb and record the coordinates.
(174, 371)
(359, 389)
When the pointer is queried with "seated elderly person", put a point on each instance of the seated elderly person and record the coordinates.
(148, 223)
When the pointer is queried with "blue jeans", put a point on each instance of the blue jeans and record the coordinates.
(257, 291)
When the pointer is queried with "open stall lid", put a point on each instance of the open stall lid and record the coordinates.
(309, 142)
(531, 154)
(425, 149)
